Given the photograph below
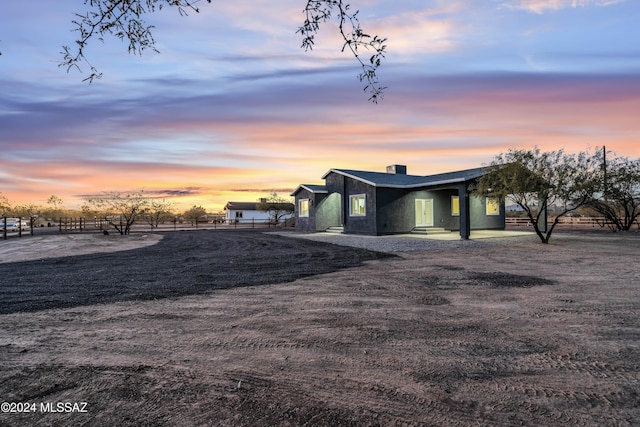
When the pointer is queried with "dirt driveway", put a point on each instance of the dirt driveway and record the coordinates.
(501, 332)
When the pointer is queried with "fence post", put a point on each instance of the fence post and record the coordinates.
(4, 227)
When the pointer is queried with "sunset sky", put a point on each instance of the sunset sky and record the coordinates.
(232, 108)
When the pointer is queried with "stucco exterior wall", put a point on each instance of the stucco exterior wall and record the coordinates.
(328, 208)
(441, 206)
(306, 224)
(394, 211)
(448, 220)
(324, 211)
(353, 224)
(479, 218)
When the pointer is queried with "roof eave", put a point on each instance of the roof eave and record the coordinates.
(309, 189)
(417, 185)
(343, 173)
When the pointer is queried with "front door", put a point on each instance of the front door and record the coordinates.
(424, 212)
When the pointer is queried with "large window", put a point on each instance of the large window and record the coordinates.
(455, 206)
(303, 207)
(357, 205)
(493, 207)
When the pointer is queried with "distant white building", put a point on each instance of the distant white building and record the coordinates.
(246, 212)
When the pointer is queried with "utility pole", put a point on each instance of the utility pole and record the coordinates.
(604, 170)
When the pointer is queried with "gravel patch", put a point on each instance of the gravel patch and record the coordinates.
(399, 243)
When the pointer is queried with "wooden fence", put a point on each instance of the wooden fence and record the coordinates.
(83, 224)
(15, 226)
(8, 227)
(565, 220)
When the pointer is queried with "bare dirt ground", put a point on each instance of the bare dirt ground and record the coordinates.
(58, 245)
(498, 332)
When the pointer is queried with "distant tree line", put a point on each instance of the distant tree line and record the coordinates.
(121, 210)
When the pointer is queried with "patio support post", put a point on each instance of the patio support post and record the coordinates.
(465, 216)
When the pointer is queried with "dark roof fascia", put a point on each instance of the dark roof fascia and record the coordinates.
(433, 184)
(468, 175)
(456, 177)
(312, 188)
(349, 175)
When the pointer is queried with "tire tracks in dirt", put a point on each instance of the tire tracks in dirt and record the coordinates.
(417, 341)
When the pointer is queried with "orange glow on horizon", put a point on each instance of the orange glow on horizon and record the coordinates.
(260, 157)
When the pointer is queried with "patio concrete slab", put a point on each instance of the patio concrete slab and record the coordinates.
(475, 234)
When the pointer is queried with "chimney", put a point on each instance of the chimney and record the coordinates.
(397, 169)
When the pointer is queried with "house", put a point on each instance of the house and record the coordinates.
(378, 203)
(259, 212)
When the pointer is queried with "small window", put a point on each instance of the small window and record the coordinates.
(455, 206)
(493, 207)
(358, 205)
(238, 214)
(303, 207)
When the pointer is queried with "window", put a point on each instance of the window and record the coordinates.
(493, 207)
(455, 206)
(238, 214)
(357, 205)
(303, 207)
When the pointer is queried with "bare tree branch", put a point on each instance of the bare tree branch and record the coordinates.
(355, 39)
(118, 18)
(124, 19)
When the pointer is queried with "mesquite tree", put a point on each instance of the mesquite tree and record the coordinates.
(120, 210)
(537, 180)
(158, 211)
(618, 192)
(194, 213)
(276, 206)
